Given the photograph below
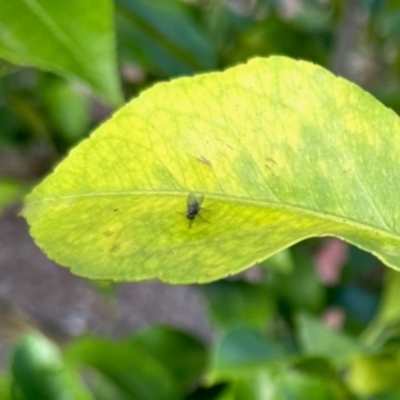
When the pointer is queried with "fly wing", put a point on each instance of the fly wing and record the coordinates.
(200, 199)
(195, 199)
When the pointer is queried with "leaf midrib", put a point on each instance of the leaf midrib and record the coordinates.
(294, 209)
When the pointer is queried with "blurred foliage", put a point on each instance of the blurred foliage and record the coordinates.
(270, 340)
(10, 191)
(259, 350)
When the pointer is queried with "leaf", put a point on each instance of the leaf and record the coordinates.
(189, 355)
(386, 322)
(210, 392)
(293, 385)
(374, 374)
(67, 108)
(127, 368)
(286, 384)
(317, 339)
(282, 262)
(235, 304)
(301, 289)
(162, 36)
(275, 35)
(73, 39)
(39, 372)
(282, 150)
(242, 351)
(389, 312)
(5, 387)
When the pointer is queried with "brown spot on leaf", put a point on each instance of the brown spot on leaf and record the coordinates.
(115, 247)
(269, 161)
(204, 161)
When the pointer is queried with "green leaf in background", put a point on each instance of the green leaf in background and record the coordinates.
(322, 369)
(282, 150)
(306, 378)
(208, 393)
(239, 303)
(67, 107)
(294, 385)
(6, 68)
(241, 351)
(5, 387)
(283, 384)
(315, 365)
(161, 36)
(39, 372)
(73, 39)
(275, 35)
(124, 368)
(189, 355)
(282, 262)
(316, 339)
(9, 192)
(386, 322)
(302, 288)
(375, 374)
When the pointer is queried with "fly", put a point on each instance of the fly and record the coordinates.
(193, 207)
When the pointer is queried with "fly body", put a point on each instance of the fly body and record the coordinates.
(193, 206)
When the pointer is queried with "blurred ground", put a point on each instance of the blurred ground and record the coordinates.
(35, 291)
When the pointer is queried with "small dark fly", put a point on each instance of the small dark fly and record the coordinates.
(193, 207)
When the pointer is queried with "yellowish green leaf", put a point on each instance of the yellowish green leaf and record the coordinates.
(282, 150)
